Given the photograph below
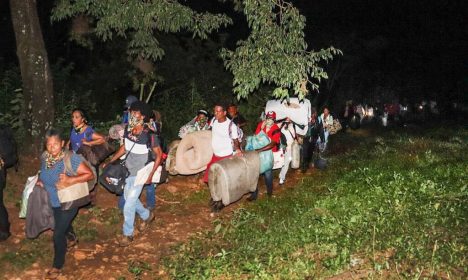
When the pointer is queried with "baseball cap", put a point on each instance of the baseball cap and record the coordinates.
(271, 115)
(129, 100)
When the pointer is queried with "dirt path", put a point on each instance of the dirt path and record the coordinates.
(181, 212)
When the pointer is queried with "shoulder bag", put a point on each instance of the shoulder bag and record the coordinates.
(76, 195)
(113, 176)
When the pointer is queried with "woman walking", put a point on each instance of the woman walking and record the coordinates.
(53, 178)
(83, 134)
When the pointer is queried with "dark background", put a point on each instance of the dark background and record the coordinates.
(392, 51)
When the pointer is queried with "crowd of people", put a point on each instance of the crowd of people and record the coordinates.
(64, 165)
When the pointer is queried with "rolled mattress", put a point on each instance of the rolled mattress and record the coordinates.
(193, 153)
(231, 178)
(171, 157)
(298, 111)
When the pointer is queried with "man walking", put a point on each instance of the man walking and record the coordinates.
(224, 139)
(138, 139)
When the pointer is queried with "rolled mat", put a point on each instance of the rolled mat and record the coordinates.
(194, 152)
(231, 178)
(171, 157)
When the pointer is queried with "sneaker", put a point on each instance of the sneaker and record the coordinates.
(124, 240)
(145, 224)
(217, 206)
(251, 198)
(281, 181)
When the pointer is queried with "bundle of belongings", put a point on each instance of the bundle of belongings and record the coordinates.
(200, 122)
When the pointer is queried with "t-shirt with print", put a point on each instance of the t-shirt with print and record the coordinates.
(137, 148)
(76, 138)
(276, 137)
(221, 141)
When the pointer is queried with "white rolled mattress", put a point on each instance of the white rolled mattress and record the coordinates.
(298, 111)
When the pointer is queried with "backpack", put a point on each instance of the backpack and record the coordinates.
(162, 144)
(283, 141)
(8, 147)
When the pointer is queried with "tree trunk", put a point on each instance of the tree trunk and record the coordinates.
(35, 73)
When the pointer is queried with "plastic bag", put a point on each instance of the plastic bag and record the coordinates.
(28, 188)
(257, 142)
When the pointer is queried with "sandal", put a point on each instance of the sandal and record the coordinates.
(72, 240)
(72, 243)
(53, 273)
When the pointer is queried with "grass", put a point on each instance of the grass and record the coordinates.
(395, 206)
(28, 252)
(40, 250)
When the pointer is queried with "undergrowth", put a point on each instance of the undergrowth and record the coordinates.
(394, 207)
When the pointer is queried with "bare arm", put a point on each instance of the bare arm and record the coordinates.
(97, 139)
(157, 162)
(268, 147)
(120, 152)
(83, 174)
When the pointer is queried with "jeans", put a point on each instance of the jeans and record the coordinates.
(268, 175)
(63, 229)
(4, 224)
(287, 161)
(150, 197)
(323, 144)
(132, 205)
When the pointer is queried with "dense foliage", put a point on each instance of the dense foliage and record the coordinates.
(139, 20)
(275, 52)
(396, 206)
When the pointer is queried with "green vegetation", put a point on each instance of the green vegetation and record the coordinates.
(137, 268)
(28, 252)
(394, 207)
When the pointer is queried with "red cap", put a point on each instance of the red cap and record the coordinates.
(271, 115)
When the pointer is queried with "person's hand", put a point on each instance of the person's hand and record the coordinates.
(63, 182)
(84, 142)
(238, 153)
(150, 178)
(40, 184)
(104, 164)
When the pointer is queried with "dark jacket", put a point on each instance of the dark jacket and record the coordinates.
(39, 216)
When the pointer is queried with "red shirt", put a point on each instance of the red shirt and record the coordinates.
(273, 137)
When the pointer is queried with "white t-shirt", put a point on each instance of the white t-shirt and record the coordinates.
(220, 139)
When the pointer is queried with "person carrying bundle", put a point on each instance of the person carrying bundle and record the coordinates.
(224, 140)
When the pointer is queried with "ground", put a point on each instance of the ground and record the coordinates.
(182, 211)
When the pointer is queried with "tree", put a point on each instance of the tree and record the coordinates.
(35, 72)
(275, 52)
(140, 21)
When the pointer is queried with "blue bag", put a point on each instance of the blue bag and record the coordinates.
(257, 142)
